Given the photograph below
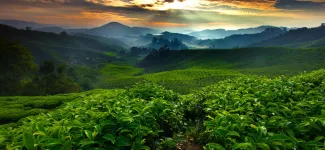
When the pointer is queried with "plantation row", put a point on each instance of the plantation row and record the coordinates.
(181, 81)
(14, 108)
(239, 113)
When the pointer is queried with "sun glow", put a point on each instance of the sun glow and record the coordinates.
(174, 5)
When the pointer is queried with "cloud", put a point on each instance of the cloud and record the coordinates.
(168, 13)
(306, 5)
(252, 4)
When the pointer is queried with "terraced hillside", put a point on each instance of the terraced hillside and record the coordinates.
(270, 61)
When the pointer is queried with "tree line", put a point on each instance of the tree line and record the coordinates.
(21, 76)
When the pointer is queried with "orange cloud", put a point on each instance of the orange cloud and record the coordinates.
(252, 4)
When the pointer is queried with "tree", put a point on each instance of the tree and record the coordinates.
(163, 48)
(47, 67)
(64, 33)
(28, 28)
(52, 80)
(17, 65)
(154, 40)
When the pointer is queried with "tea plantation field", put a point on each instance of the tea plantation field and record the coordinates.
(244, 112)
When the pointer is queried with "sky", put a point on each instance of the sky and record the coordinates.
(168, 14)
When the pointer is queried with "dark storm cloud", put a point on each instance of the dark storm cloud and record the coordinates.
(300, 5)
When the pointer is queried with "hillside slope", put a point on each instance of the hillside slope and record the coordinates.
(118, 30)
(59, 30)
(146, 39)
(64, 48)
(23, 24)
(242, 40)
(303, 37)
(266, 61)
(222, 33)
(109, 41)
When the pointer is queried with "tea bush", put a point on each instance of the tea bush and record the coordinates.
(108, 120)
(262, 113)
(249, 112)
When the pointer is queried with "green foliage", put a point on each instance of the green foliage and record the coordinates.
(51, 80)
(84, 76)
(269, 61)
(16, 65)
(149, 91)
(111, 54)
(81, 49)
(248, 112)
(257, 112)
(14, 108)
(182, 81)
(108, 120)
(112, 70)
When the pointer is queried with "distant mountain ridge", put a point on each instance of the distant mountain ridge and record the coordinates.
(222, 33)
(112, 29)
(23, 24)
(242, 40)
(59, 30)
(301, 37)
(144, 40)
(118, 30)
(174, 44)
(62, 48)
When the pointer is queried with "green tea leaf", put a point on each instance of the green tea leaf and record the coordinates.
(89, 134)
(243, 146)
(263, 146)
(87, 142)
(28, 140)
(2, 139)
(233, 133)
(122, 141)
(40, 133)
(214, 146)
(40, 127)
(109, 137)
(98, 129)
(319, 138)
(279, 137)
(145, 147)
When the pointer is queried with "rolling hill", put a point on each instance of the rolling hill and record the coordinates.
(222, 33)
(109, 41)
(118, 30)
(242, 40)
(23, 24)
(63, 48)
(174, 44)
(59, 30)
(145, 40)
(268, 61)
(302, 37)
